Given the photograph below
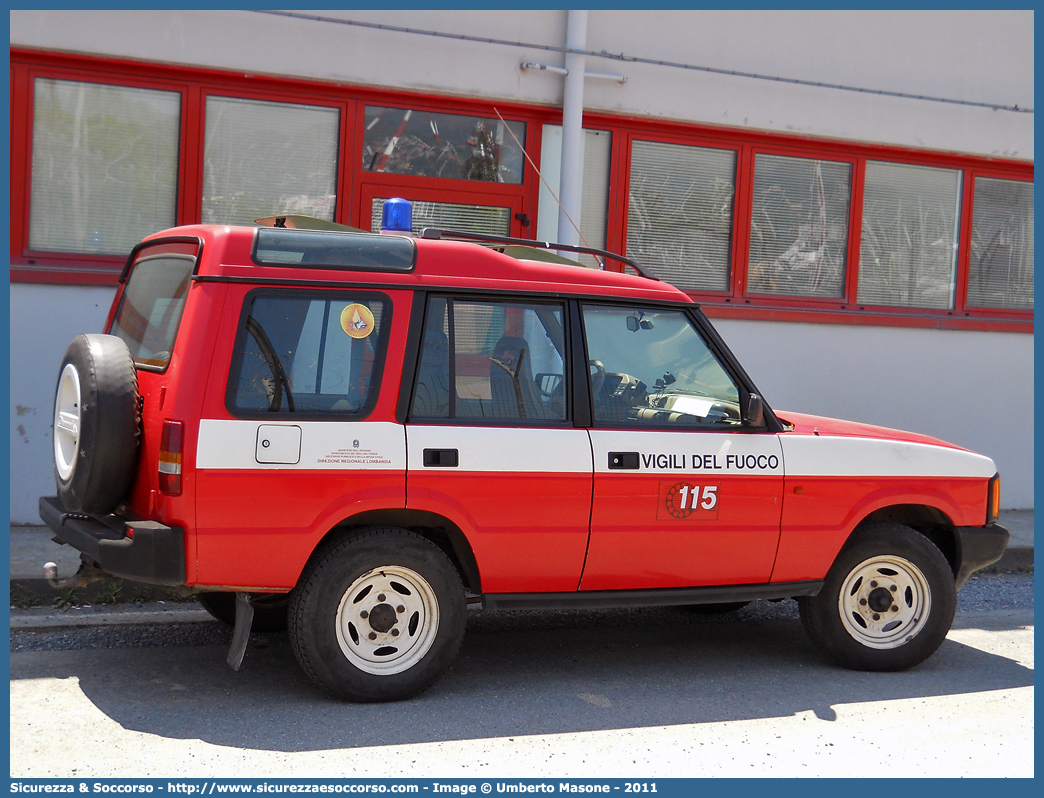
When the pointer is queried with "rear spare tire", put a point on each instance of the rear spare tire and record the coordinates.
(96, 424)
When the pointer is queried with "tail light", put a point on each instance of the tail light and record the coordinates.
(993, 500)
(171, 443)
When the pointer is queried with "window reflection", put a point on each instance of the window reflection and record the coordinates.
(404, 141)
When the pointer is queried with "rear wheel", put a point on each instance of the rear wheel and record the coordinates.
(96, 424)
(887, 602)
(378, 616)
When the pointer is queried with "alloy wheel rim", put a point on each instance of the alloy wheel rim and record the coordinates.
(387, 620)
(885, 602)
(67, 422)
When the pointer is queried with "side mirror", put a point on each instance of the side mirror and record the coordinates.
(754, 414)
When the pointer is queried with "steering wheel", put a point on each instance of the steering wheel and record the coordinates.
(597, 376)
(281, 383)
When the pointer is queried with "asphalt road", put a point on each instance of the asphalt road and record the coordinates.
(641, 693)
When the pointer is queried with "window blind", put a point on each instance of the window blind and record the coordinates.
(1001, 274)
(265, 158)
(908, 251)
(799, 227)
(680, 213)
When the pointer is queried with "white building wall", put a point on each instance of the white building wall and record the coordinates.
(44, 319)
(973, 56)
(975, 389)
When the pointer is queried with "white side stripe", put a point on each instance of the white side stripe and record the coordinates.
(504, 449)
(825, 456)
(335, 445)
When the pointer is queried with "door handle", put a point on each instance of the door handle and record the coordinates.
(440, 458)
(623, 460)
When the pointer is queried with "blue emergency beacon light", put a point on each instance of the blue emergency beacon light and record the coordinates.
(397, 216)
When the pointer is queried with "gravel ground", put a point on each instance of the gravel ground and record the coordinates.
(982, 593)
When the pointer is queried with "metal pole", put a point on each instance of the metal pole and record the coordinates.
(572, 129)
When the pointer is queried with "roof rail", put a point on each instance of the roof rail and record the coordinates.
(437, 233)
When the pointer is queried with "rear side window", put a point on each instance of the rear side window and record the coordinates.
(308, 353)
(153, 300)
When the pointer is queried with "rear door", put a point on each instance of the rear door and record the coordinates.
(301, 441)
(490, 441)
(684, 493)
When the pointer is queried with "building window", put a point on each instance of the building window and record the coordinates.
(265, 158)
(105, 166)
(594, 192)
(1001, 274)
(403, 141)
(799, 227)
(908, 252)
(679, 222)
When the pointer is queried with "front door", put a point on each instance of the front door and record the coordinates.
(684, 493)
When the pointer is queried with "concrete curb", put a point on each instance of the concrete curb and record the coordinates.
(154, 613)
(1015, 559)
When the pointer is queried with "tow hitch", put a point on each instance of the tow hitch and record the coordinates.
(85, 575)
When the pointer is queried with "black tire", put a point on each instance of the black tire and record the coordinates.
(378, 616)
(887, 601)
(96, 424)
(269, 609)
(717, 609)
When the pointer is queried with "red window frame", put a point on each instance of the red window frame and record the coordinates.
(195, 85)
(738, 303)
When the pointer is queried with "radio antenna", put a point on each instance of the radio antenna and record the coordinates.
(525, 154)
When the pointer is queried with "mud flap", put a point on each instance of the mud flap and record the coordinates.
(241, 634)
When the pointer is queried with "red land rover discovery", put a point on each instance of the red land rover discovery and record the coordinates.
(352, 436)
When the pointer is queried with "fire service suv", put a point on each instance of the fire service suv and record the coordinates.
(352, 436)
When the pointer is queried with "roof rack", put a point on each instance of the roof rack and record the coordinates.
(437, 233)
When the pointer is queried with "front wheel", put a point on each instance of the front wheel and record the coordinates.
(378, 616)
(887, 602)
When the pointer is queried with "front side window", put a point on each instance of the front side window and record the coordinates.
(908, 254)
(799, 227)
(308, 354)
(495, 361)
(266, 158)
(403, 141)
(652, 368)
(105, 166)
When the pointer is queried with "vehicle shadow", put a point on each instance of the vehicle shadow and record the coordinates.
(524, 673)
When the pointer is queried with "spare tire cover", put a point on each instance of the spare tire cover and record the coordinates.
(96, 424)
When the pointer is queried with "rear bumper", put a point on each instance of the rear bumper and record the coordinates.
(977, 547)
(154, 555)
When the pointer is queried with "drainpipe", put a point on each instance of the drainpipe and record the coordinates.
(572, 129)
